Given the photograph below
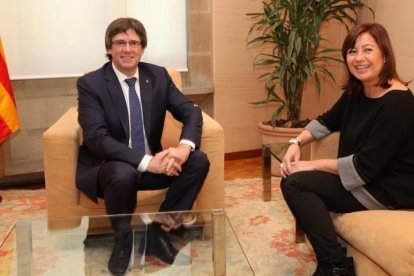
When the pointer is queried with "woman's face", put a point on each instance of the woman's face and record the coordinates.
(365, 61)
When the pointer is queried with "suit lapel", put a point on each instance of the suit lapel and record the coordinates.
(115, 91)
(146, 99)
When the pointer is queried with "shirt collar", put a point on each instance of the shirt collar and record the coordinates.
(121, 77)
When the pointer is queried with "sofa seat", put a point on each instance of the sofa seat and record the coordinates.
(146, 199)
(385, 237)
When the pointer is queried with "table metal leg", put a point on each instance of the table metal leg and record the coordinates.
(24, 248)
(266, 174)
(299, 234)
(219, 242)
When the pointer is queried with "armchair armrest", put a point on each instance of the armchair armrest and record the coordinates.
(61, 144)
(325, 148)
(211, 195)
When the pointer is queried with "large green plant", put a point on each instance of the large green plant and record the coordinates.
(292, 30)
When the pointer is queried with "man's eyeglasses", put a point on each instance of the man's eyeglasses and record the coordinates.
(123, 43)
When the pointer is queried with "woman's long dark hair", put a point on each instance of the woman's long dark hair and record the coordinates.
(388, 72)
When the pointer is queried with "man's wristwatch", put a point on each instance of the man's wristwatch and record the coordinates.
(294, 142)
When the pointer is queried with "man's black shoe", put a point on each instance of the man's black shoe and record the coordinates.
(159, 246)
(121, 256)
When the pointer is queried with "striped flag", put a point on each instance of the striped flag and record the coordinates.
(9, 120)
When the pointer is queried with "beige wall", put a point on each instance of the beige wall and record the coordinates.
(396, 17)
(235, 82)
(39, 104)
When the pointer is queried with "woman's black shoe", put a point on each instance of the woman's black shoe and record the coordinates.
(345, 268)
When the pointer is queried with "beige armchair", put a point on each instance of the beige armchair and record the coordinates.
(381, 242)
(61, 143)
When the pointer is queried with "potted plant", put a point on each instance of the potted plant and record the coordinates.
(290, 33)
(289, 30)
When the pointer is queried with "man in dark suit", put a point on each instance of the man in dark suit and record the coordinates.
(122, 108)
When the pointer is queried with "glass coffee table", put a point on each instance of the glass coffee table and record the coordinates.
(83, 245)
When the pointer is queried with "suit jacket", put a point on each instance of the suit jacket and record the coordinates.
(103, 116)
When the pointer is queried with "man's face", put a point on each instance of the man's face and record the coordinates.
(126, 52)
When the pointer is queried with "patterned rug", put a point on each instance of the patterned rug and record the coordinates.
(265, 230)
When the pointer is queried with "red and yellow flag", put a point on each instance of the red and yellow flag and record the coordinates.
(9, 120)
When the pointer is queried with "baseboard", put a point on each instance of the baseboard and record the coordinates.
(36, 178)
(243, 154)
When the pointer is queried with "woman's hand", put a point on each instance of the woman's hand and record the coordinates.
(324, 165)
(302, 166)
(292, 156)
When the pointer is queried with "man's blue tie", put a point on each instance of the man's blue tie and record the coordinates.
(135, 117)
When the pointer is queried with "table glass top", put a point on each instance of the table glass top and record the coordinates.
(277, 150)
(83, 245)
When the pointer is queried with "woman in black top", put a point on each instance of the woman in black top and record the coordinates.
(375, 164)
